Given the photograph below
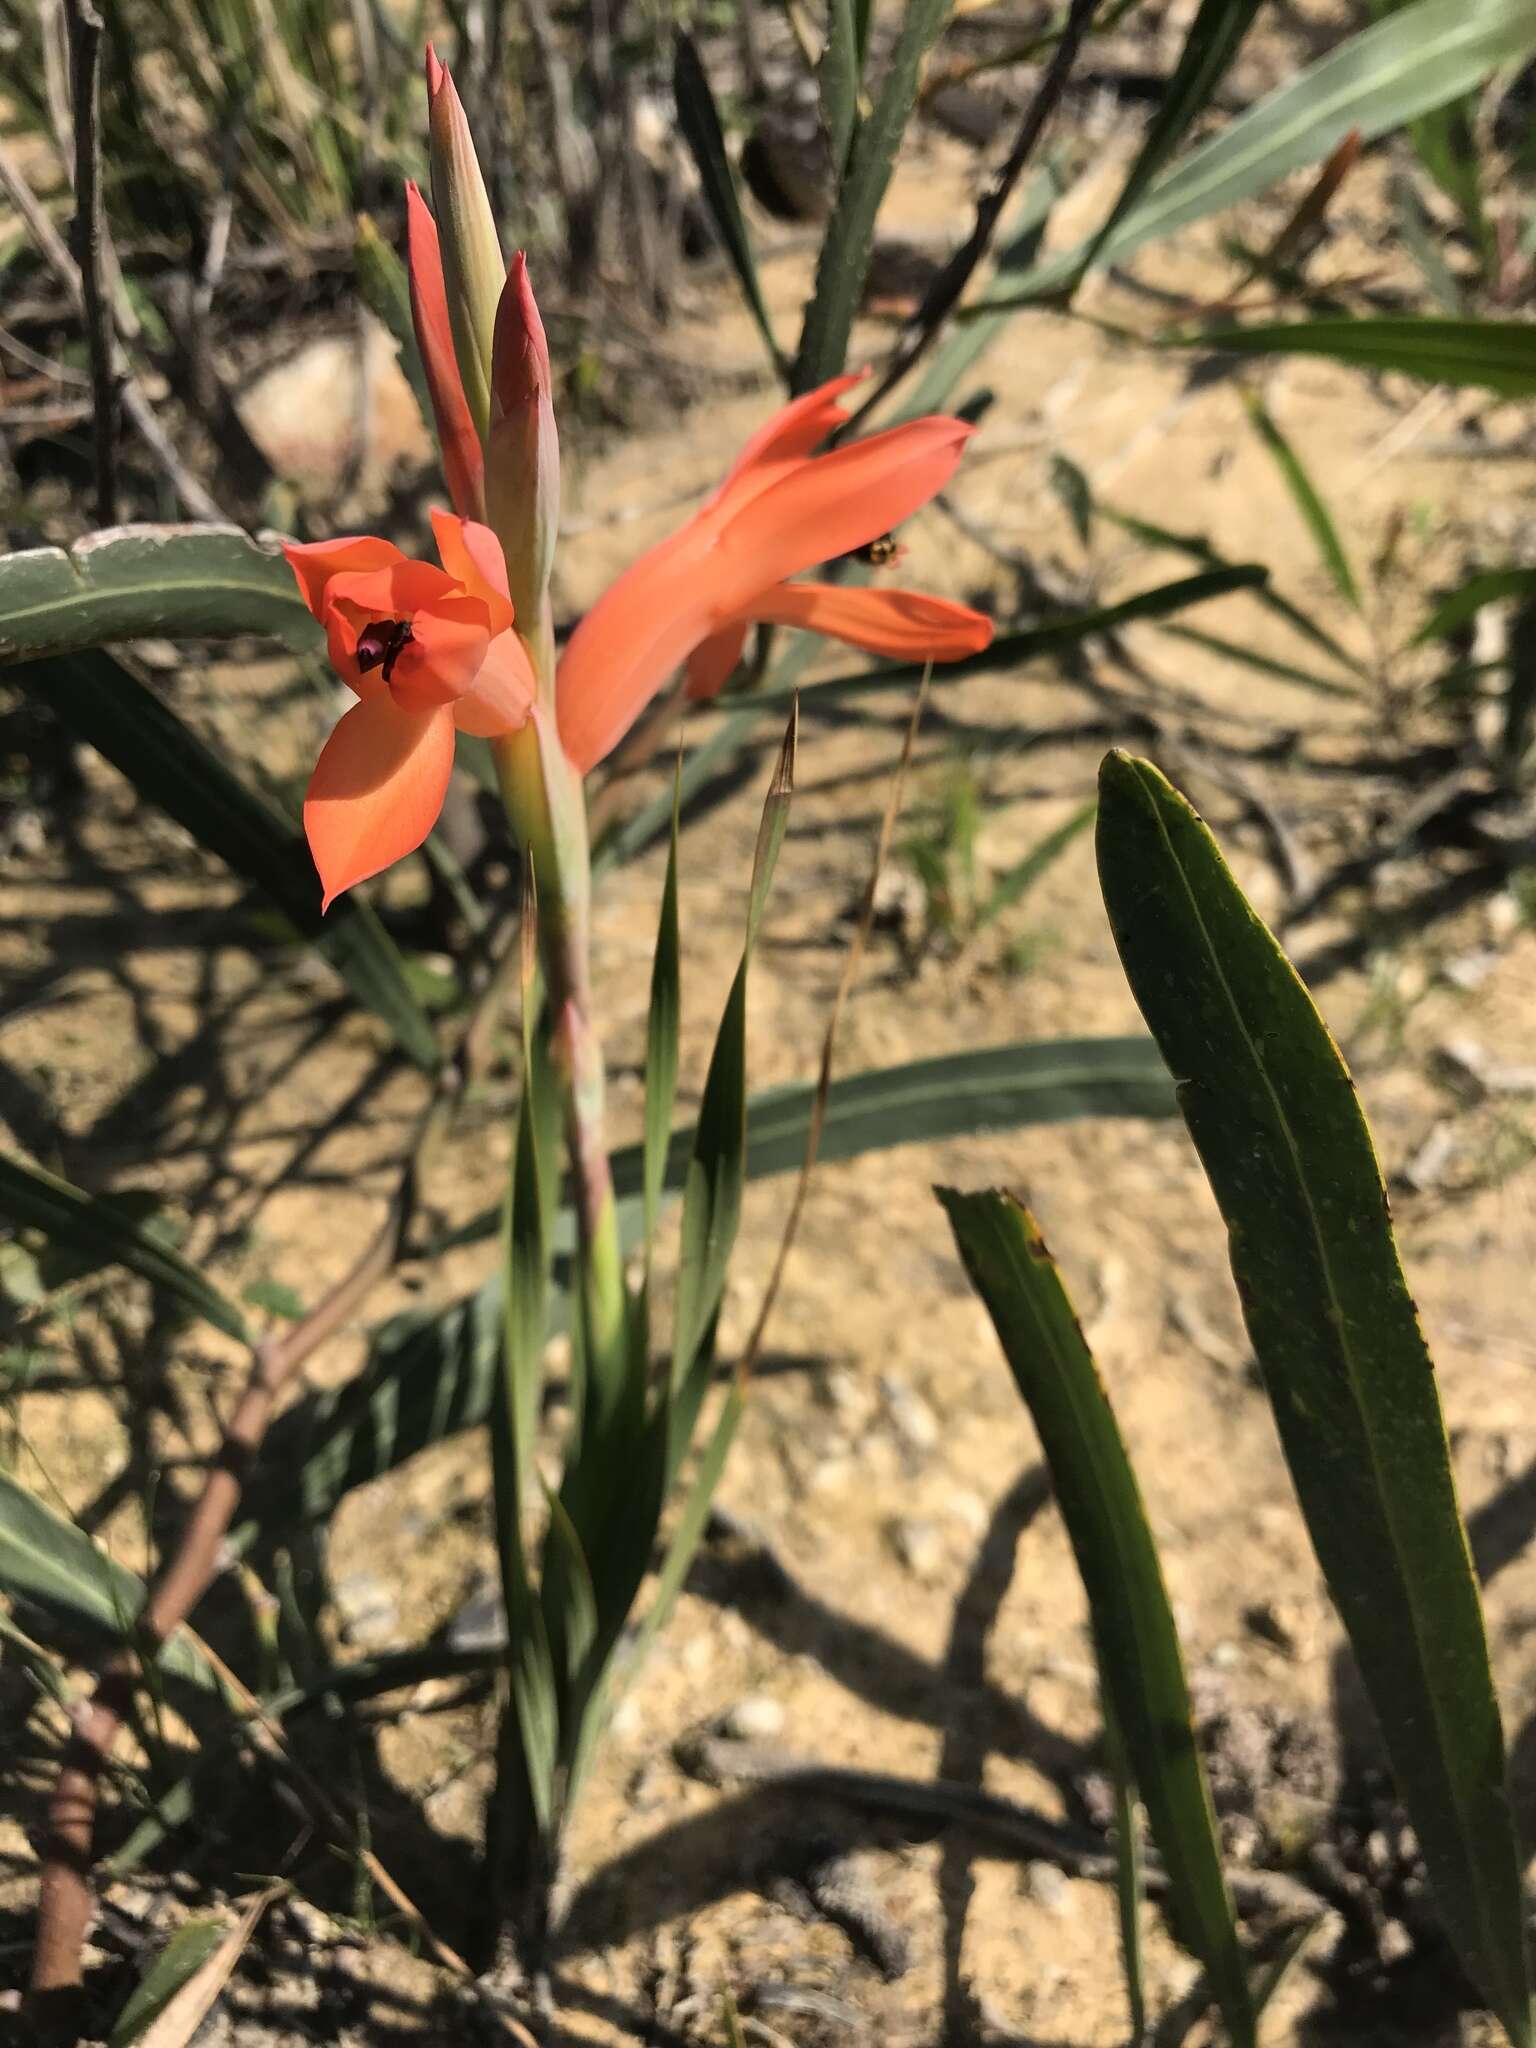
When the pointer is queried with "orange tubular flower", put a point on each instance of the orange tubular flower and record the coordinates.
(781, 510)
(427, 651)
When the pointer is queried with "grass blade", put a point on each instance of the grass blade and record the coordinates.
(1015, 883)
(107, 1234)
(844, 260)
(661, 1040)
(47, 1563)
(1128, 1876)
(1262, 664)
(171, 767)
(137, 582)
(1487, 587)
(1493, 355)
(1280, 1132)
(837, 80)
(1215, 36)
(1140, 1667)
(188, 1949)
(699, 120)
(1308, 503)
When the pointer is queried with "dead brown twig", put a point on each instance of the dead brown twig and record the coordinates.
(130, 394)
(85, 33)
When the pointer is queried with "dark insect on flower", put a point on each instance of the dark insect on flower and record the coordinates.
(878, 552)
(382, 645)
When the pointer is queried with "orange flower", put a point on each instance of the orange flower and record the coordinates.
(427, 651)
(781, 509)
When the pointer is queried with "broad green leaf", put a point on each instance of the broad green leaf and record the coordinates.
(1140, 1666)
(188, 1949)
(1280, 1132)
(1215, 36)
(170, 766)
(1487, 587)
(700, 124)
(844, 261)
(432, 1372)
(143, 582)
(48, 1563)
(837, 80)
(108, 1234)
(1494, 355)
(1379, 79)
(1309, 503)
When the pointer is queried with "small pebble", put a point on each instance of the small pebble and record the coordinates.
(1048, 1887)
(919, 1546)
(757, 1718)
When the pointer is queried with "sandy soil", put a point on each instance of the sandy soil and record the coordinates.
(893, 1591)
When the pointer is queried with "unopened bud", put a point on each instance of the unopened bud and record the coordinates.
(522, 470)
(473, 271)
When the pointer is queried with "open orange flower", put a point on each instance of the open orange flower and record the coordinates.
(428, 652)
(781, 510)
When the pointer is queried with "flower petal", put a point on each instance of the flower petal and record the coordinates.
(711, 662)
(463, 459)
(905, 623)
(792, 433)
(376, 791)
(502, 694)
(843, 500)
(315, 562)
(472, 556)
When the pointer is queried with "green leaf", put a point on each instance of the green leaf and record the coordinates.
(1308, 503)
(142, 582)
(1487, 587)
(432, 1372)
(844, 261)
(170, 766)
(109, 1235)
(699, 121)
(1140, 1667)
(188, 1949)
(837, 80)
(1280, 1132)
(1015, 883)
(48, 1563)
(1215, 36)
(1376, 81)
(1422, 239)
(661, 1042)
(1128, 1876)
(1493, 355)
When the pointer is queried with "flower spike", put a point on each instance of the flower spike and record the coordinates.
(463, 459)
(473, 270)
(523, 466)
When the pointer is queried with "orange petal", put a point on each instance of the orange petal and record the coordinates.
(463, 458)
(503, 691)
(315, 562)
(376, 791)
(472, 556)
(903, 623)
(711, 662)
(793, 432)
(843, 500)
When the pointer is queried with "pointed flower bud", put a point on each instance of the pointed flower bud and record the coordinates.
(522, 471)
(473, 271)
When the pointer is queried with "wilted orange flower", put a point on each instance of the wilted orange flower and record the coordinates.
(428, 651)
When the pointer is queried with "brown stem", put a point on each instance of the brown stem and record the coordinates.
(85, 33)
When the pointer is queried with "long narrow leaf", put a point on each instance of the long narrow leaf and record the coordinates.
(844, 260)
(1309, 503)
(663, 1024)
(1493, 355)
(1280, 1132)
(170, 766)
(837, 79)
(700, 124)
(105, 1232)
(1140, 1666)
(1487, 587)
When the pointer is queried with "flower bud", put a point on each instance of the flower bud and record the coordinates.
(473, 271)
(522, 471)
